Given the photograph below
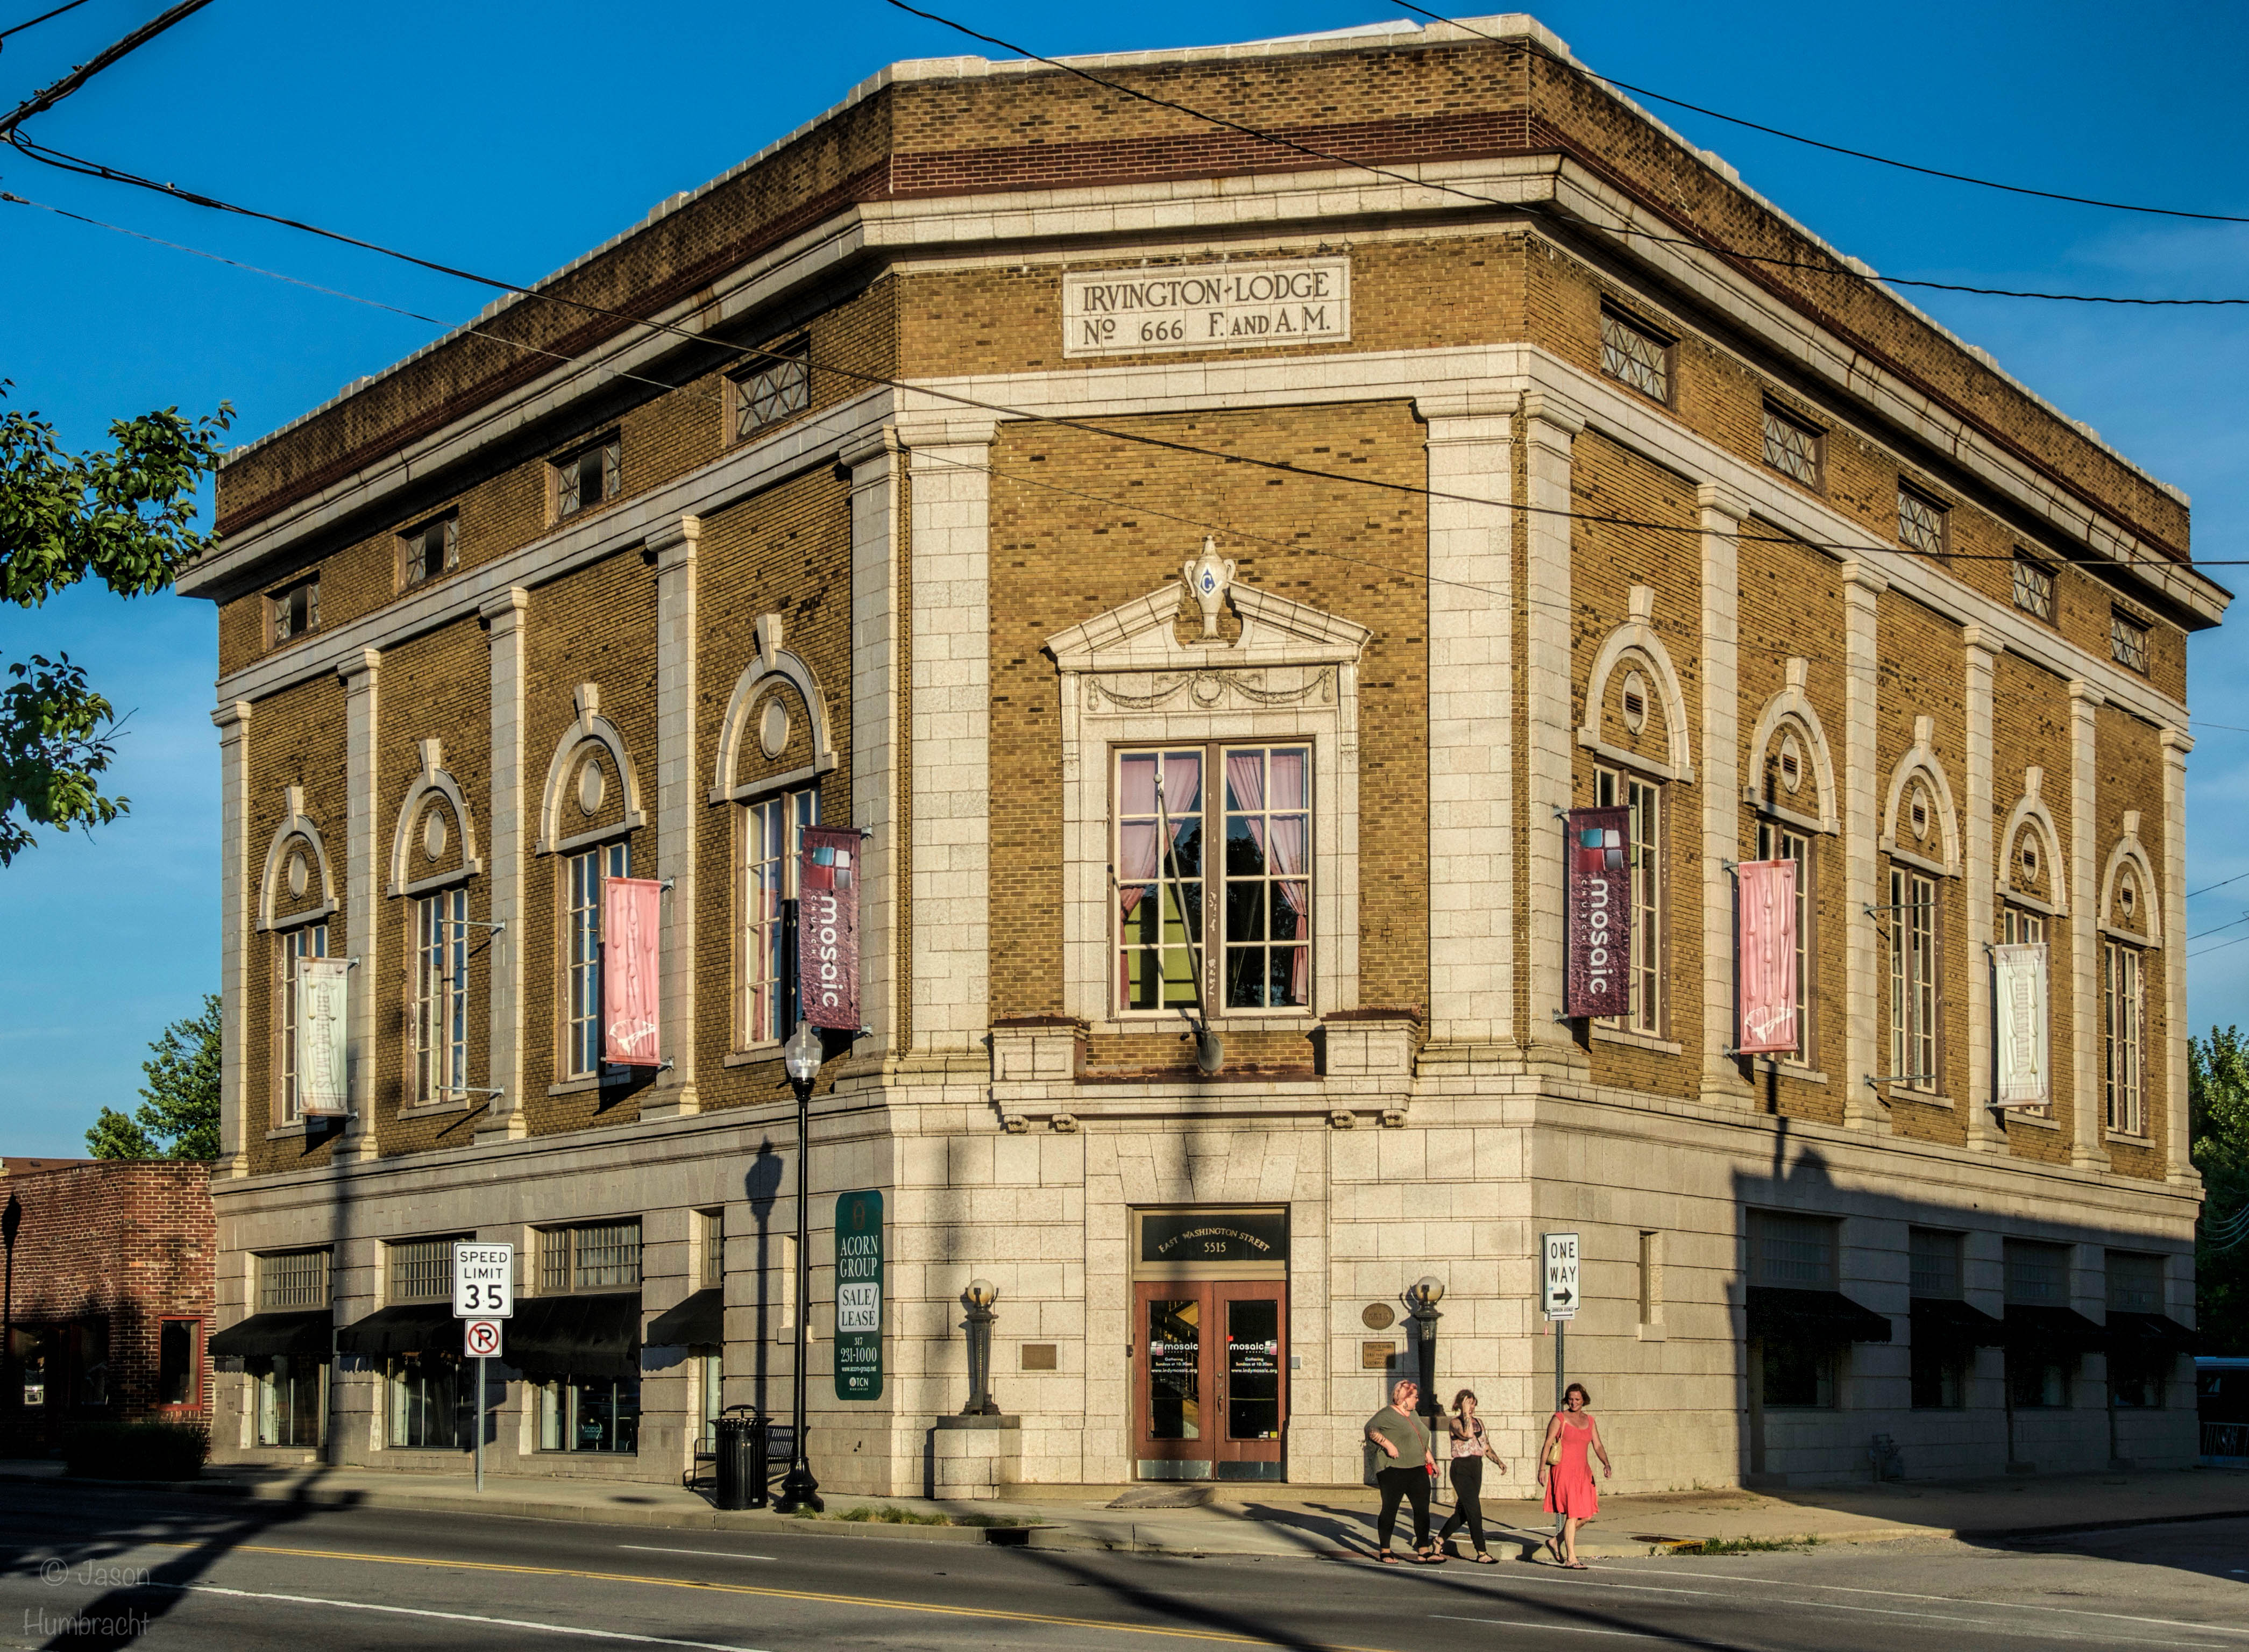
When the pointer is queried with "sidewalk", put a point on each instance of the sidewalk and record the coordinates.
(1328, 1522)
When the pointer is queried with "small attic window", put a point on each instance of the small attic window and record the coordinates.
(1917, 814)
(1792, 764)
(1635, 703)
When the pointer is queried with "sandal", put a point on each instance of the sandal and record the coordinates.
(1482, 1558)
(1554, 1548)
(1575, 1565)
(1386, 1557)
(1433, 1557)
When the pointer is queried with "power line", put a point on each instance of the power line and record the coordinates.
(49, 97)
(1702, 245)
(1579, 70)
(34, 23)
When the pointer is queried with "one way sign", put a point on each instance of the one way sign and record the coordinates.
(1558, 1280)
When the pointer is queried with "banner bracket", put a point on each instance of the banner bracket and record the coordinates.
(473, 1089)
(666, 885)
(474, 923)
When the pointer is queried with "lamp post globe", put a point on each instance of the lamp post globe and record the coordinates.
(1421, 1298)
(801, 1056)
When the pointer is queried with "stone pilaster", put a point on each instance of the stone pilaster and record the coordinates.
(236, 910)
(1864, 988)
(2177, 743)
(1981, 651)
(679, 802)
(505, 617)
(950, 719)
(362, 890)
(1471, 715)
(878, 470)
(1723, 513)
(2087, 1150)
(1550, 426)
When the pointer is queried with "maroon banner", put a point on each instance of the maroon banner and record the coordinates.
(827, 928)
(1597, 921)
(632, 912)
(1765, 949)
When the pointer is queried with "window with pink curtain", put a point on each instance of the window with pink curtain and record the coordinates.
(1269, 958)
(1160, 892)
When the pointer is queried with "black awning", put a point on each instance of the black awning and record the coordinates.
(2041, 1329)
(263, 1334)
(700, 1319)
(553, 1336)
(2147, 1334)
(418, 1327)
(1946, 1322)
(1779, 1313)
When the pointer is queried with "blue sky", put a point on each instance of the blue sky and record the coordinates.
(509, 139)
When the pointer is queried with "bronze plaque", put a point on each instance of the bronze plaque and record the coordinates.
(1376, 1356)
(1377, 1316)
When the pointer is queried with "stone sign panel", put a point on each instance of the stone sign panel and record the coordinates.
(1216, 306)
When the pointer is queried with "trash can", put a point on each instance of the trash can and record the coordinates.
(741, 1459)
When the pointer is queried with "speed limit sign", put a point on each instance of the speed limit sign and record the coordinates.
(484, 1281)
(480, 1338)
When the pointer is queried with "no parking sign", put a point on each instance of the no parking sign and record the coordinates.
(480, 1338)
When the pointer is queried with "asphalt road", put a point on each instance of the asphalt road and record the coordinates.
(96, 1570)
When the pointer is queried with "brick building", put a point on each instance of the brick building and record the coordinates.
(1049, 483)
(112, 1299)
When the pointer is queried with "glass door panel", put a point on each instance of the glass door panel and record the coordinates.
(1252, 1369)
(1174, 1368)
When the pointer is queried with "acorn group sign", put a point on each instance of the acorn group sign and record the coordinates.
(859, 1295)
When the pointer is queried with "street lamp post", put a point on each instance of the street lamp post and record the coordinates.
(981, 1294)
(801, 1058)
(1421, 1298)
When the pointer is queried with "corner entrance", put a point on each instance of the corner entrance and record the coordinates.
(1210, 1339)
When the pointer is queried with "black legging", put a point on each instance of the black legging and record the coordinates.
(1467, 1510)
(1412, 1484)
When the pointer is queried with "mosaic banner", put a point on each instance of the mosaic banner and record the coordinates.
(1765, 955)
(1598, 921)
(2019, 1006)
(827, 928)
(323, 1091)
(632, 922)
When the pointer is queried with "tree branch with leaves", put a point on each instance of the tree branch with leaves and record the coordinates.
(124, 516)
(178, 1115)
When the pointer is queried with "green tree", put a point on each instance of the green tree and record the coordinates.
(2217, 1095)
(178, 1115)
(123, 516)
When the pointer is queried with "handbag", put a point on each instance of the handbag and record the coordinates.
(1553, 1457)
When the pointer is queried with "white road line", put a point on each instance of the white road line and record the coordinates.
(1558, 1629)
(458, 1617)
(713, 1555)
(1948, 1599)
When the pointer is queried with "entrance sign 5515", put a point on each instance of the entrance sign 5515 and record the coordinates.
(1217, 307)
(859, 1295)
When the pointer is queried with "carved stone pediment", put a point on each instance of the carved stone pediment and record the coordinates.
(1212, 690)
(1143, 637)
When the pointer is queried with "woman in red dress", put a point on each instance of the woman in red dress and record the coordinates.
(1567, 1476)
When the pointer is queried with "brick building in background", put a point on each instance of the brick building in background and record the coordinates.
(113, 1295)
(1052, 485)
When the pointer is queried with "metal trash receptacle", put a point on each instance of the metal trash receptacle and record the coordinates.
(741, 1459)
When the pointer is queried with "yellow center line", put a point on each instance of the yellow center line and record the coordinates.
(1049, 1619)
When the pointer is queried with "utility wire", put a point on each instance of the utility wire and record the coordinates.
(48, 97)
(34, 23)
(1579, 70)
(1700, 245)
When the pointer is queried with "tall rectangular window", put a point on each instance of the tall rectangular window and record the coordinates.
(2038, 1276)
(778, 386)
(2033, 588)
(441, 996)
(1794, 447)
(295, 609)
(711, 1249)
(432, 1406)
(1794, 1252)
(2128, 642)
(1923, 524)
(2123, 1021)
(2138, 1379)
(1643, 803)
(1651, 1278)
(1635, 355)
(773, 836)
(588, 477)
(1936, 1271)
(585, 873)
(1938, 1368)
(179, 1362)
(1913, 980)
(1257, 901)
(1778, 843)
(309, 942)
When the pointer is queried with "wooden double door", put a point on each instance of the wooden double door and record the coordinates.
(1210, 1378)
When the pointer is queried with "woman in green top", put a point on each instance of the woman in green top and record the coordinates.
(1410, 1466)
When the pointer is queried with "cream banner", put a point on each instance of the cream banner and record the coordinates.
(323, 1091)
(1765, 955)
(631, 922)
(2019, 1011)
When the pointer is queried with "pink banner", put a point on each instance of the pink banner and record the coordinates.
(1597, 859)
(1765, 947)
(827, 928)
(631, 921)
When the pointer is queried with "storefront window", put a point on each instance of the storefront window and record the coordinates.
(292, 1399)
(589, 1413)
(711, 1384)
(429, 1404)
(179, 1381)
